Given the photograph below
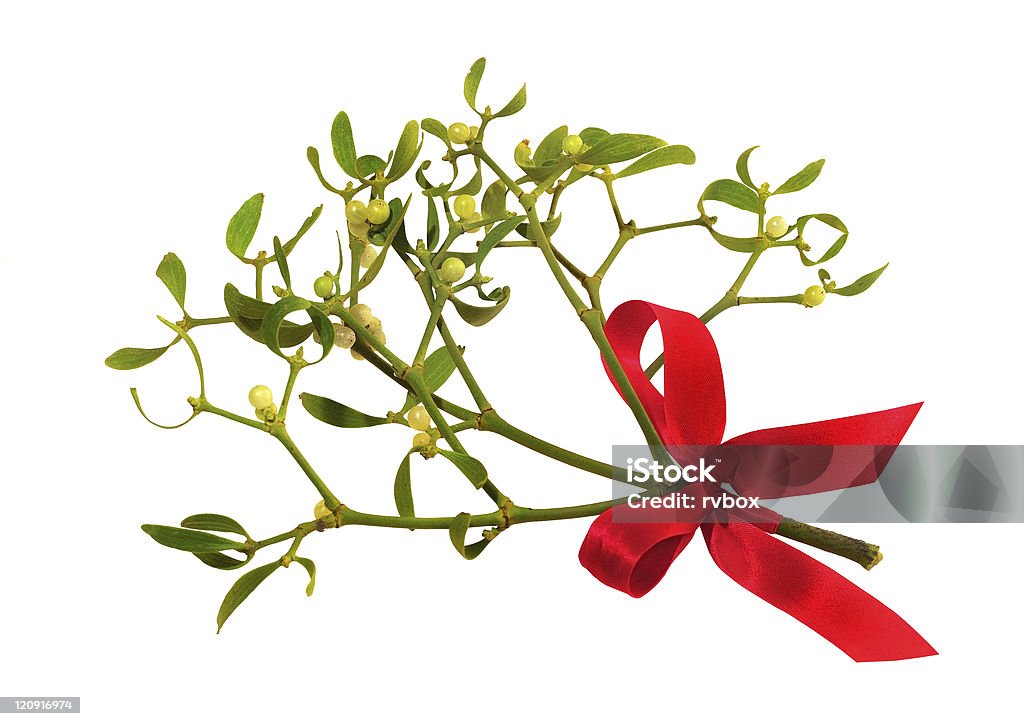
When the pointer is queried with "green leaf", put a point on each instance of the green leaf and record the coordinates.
(406, 151)
(476, 315)
(429, 189)
(741, 168)
(619, 147)
(472, 82)
(247, 313)
(313, 157)
(435, 128)
(458, 530)
(310, 570)
(343, 144)
(369, 165)
(433, 225)
(189, 540)
(493, 203)
(517, 104)
(222, 561)
(437, 369)
(337, 414)
(274, 318)
(861, 284)
(550, 226)
(395, 231)
(471, 468)
(474, 185)
(172, 274)
(802, 179)
(498, 232)
(736, 244)
(832, 221)
(403, 489)
(659, 157)
(214, 523)
(732, 193)
(242, 227)
(306, 226)
(592, 135)
(282, 264)
(551, 147)
(127, 359)
(242, 589)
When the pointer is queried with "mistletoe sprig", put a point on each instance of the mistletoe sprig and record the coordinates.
(467, 228)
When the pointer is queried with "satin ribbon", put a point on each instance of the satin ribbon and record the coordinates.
(634, 556)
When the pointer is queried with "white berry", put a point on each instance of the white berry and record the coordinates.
(776, 227)
(344, 336)
(260, 397)
(361, 313)
(419, 419)
(369, 255)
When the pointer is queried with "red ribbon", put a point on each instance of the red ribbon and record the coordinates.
(634, 556)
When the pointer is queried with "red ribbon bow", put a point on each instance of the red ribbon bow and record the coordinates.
(634, 556)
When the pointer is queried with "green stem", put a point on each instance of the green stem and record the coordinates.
(492, 422)
(202, 405)
(198, 322)
(278, 432)
(775, 299)
(428, 332)
(625, 235)
(355, 247)
(294, 366)
(260, 263)
(864, 554)
(608, 180)
(699, 222)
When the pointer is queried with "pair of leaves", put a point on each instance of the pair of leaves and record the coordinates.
(856, 287)
(274, 320)
(477, 315)
(832, 221)
(344, 148)
(248, 583)
(801, 180)
(471, 85)
(209, 548)
(470, 467)
(171, 273)
(242, 229)
(248, 315)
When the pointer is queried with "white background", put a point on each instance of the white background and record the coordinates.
(128, 132)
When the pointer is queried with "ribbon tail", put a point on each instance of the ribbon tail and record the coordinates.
(820, 598)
